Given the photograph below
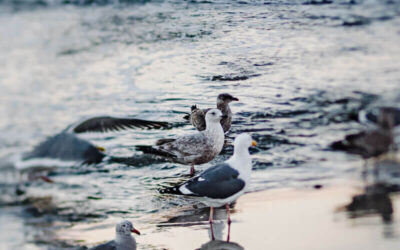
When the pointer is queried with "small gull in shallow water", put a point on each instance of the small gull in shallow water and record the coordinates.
(221, 184)
(66, 148)
(197, 116)
(198, 148)
(123, 240)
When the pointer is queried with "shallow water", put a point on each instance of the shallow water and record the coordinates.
(302, 71)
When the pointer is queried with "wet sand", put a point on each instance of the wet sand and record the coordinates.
(274, 219)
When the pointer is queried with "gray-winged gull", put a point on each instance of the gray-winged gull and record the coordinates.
(66, 148)
(198, 148)
(223, 183)
(123, 240)
(197, 116)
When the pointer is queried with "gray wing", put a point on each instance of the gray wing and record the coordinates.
(186, 145)
(108, 123)
(218, 182)
(111, 245)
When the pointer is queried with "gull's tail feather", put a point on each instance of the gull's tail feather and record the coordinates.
(171, 190)
(349, 142)
(342, 146)
(187, 116)
(151, 150)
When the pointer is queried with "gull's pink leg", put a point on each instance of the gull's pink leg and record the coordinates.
(211, 222)
(46, 179)
(192, 171)
(229, 221)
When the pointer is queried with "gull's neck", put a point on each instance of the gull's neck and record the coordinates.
(224, 107)
(214, 128)
(215, 135)
(125, 239)
(241, 160)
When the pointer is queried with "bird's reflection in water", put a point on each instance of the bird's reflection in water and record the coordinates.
(197, 216)
(200, 217)
(218, 227)
(374, 200)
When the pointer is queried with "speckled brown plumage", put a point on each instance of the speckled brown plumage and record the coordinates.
(197, 116)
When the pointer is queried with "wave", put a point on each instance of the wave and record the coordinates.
(47, 3)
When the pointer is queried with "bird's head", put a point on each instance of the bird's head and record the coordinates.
(125, 227)
(214, 116)
(244, 141)
(226, 98)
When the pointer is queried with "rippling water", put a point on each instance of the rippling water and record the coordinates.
(302, 71)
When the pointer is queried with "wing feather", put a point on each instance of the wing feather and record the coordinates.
(186, 145)
(108, 123)
(218, 182)
(111, 245)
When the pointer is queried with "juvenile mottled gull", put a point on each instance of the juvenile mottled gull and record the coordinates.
(67, 148)
(197, 116)
(198, 148)
(223, 183)
(371, 143)
(123, 240)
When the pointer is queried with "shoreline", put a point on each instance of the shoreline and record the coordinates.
(307, 218)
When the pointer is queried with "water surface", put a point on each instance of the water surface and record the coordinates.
(301, 70)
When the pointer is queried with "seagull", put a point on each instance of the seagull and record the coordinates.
(123, 240)
(66, 148)
(198, 148)
(197, 116)
(221, 184)
(371, 143)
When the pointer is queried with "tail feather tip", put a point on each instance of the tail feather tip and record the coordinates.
(171, 190)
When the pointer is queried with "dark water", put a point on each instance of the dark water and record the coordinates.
(302, 71)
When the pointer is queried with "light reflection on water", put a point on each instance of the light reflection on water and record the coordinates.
(296, 66)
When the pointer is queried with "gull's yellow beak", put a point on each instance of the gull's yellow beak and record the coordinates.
(101, 149)
(253, 143)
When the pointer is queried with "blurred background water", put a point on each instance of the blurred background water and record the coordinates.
(301, 69)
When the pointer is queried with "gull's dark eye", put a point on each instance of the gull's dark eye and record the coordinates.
(213, 113)
(124, 225)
